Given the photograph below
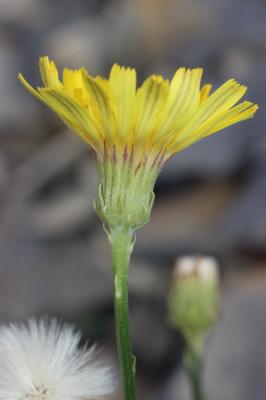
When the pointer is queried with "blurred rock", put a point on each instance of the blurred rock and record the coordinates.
(245, 221)
(148, 280)
(78, 43)
(67, 210)
(20, 12)
(148, 320)
(218, 156)
(95, 42)
(62, 279)
(54, 199)
(15, 113)
(187, 222)
(169, 21)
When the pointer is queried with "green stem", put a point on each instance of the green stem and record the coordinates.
(122, 246)
(194, 367)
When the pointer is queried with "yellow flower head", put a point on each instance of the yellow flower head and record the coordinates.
(146, 125)
(133, 131)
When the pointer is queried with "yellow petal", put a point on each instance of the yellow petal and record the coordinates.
(150, 100)
(71, 80)
(49, 73)
(72, 112)
(221, 100)
(236, 114)
(205, 92)
(99, 104)
(183, 99)
(31, 89)
(122, 89)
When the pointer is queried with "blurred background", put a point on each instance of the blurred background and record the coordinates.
(211, 199)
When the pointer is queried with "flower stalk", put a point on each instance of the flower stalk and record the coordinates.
(122, 246)
(193, 363)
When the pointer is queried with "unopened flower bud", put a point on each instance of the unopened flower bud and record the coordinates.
(193, 298)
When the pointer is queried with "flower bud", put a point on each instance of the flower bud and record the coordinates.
(193, 297)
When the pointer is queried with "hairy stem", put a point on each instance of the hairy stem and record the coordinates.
(122, 246)
(194, 367)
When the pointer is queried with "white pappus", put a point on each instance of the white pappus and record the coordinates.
(41, 360)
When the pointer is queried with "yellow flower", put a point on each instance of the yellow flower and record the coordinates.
(133, 131)
(146, 124)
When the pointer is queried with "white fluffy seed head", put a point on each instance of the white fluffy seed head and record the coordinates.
(41, 360)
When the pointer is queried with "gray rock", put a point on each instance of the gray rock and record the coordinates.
(245, 220)
(217, 156)
(62, 279)
(49, 203)
(187, 222)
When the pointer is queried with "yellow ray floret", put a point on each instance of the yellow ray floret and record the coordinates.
(159, 118)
